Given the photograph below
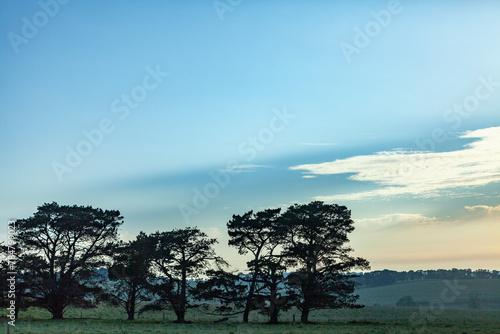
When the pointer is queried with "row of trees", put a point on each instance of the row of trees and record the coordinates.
(387, 277)
(299, 258)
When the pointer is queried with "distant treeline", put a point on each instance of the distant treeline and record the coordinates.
(387, 277)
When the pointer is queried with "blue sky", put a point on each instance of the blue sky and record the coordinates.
(403, 130)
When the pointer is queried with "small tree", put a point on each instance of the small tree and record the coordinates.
(270, 278)
(406, 301)
(129, 275)
(21, 301)
(178, 256)
(61, 247)
(259, 234)
(315, 245)
(225, 290)
(474, 301)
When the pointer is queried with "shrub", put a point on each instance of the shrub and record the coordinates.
(406, 301)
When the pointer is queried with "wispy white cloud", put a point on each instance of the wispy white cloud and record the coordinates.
(396, 219)
(212, 232)
(472, 214)
(126, 236)
(484, 211)
(419, 173)
(488, 209)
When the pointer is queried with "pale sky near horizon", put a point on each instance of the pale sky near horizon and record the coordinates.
(390, 108)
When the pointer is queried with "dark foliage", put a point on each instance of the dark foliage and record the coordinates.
(178, 256)
(315, 244)
(59, 249)
(129, 275)
(261, 234)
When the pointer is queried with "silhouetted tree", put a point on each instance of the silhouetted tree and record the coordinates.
(224, 290)
(273, 298)
(60, 247)
(18, 295)
(474, 300)
(406, 301)
(259, 234)
(381, 277)
(315, 243)
(178, 256)
(6, 281)
(482, 274)
(129, 275)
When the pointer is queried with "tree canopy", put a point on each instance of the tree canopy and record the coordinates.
(259, 234)
(315, 243)
(298, 257)
(60, 246)
(178, 256)
(130, 275)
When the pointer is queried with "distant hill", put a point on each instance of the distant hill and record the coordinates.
(388, 277)
(485, 291)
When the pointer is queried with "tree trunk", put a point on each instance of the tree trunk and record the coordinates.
(248, 305)
(304, 317)
(57, 313)
(131, 312)
(246, 312)
(131, 309)
(273, 306)
(57, 307)
(307, 290)
(179, 303)
(181, 313)
(273, 319)
(180, 316)
(18, 300)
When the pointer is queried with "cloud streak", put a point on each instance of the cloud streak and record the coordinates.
(396, 219)
(484, 211)
(417, 240)
(319, 144)
(419, 173)
(243, 168)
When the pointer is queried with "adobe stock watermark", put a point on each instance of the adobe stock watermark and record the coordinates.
(247, 149)
(449, 294)
(454, 117)
(31, 26)
(363, 37)
(482, 92)
(221, 7)
(11, 274)
(121, 106)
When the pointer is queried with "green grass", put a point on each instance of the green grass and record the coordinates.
(444, 317)
(368, 320)
(429, 291)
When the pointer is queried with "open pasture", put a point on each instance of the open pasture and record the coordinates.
(367, 320)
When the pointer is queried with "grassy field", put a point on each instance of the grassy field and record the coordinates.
(488, 292)
(368, 320)
(436, 315)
